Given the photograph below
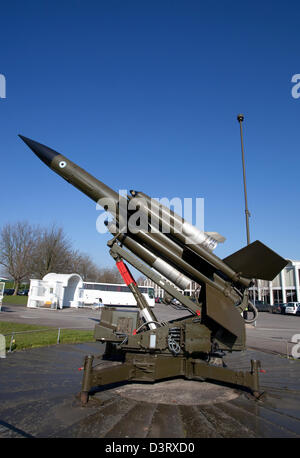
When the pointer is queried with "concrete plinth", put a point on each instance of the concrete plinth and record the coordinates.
(178, 392)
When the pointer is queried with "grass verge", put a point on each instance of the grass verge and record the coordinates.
(15, 300)
(39, 336)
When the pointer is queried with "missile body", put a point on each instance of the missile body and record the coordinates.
(169, 221)
(164, 247)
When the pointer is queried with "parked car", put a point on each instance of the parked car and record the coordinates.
(292, 308)
(175, 302)
(8, 292)
(23, 292)
(263, 307)
(279, 308)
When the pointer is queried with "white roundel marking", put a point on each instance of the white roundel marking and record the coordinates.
(62, 164)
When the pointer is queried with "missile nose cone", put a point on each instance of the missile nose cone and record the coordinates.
(43, 152)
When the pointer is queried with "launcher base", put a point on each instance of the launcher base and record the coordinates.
(153, 368)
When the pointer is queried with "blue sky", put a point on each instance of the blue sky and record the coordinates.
(144, 95)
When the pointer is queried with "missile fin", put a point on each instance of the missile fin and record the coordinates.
(256, 261)
(215, 235)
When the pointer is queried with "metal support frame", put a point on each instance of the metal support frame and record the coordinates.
(139, 364)
(117, 251)
(151, 368)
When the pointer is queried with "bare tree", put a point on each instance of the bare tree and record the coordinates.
(17, 247)
(109, 275)
(32, 252)
(83, 265)
(53, 252)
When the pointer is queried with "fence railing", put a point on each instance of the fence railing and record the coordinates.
(57, 331)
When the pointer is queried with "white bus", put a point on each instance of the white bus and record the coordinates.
(114, 294)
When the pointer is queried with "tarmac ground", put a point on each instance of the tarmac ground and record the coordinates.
(39, 391)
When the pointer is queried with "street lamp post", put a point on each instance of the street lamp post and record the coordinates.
(240, 119)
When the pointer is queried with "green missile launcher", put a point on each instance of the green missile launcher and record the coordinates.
(139, 347)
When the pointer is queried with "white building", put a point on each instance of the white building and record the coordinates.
(284, 288)
(56, 291)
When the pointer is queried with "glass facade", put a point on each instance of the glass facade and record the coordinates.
(291, 295)
(277, 296)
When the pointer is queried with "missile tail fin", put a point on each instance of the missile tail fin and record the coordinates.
(256, 261)
(215, 235)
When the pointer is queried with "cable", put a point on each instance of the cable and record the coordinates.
(255, 313)
(147, 322)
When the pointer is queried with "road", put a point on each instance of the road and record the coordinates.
(65, 318)
(274, 333)
(84, 318)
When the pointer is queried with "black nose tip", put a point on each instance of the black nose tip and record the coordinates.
(43, 152)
